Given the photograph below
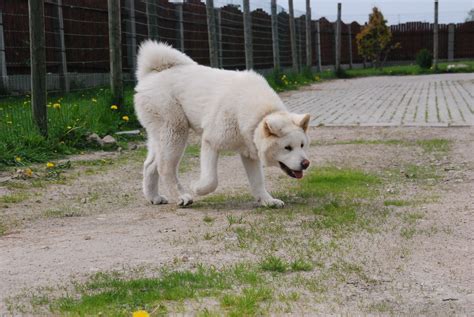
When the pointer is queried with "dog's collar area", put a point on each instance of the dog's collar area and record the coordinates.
(290, 172)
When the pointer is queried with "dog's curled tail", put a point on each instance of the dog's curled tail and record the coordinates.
(156, 57)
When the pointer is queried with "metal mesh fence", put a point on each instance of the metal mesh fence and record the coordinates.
(77, 39)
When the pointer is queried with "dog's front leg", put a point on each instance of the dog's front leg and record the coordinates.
(208, 181)
(257, 183)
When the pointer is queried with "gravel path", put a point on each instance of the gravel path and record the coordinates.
(429, 274)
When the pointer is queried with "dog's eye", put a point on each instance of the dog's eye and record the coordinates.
(302, 145)
(289, 148)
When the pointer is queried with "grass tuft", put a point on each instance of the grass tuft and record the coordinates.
(396, 203)
(274, 264)
(13, 198)
(248, 303)
(301, 265)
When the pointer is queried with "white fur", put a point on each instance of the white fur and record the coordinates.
(231, 110)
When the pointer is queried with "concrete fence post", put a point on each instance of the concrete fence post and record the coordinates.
(338, 38)
(318, 46)
(179, 26)
(212, 36)
(435, 36)
(451, 28)
(294, 50)
(248, 35)
(38, 64)
(3, 59)
(59, 38)
(299, 42)
(219, 37)
(275, 38)
(131, 37)
(309, 52)
(350, 45)
(115, 49)
(152, 18)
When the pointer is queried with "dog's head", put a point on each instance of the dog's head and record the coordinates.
(281, 139)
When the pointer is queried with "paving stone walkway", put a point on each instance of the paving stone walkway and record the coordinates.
(429, 100)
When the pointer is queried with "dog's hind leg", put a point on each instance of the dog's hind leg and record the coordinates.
(151, 178)
(172, 141)
(208, 181)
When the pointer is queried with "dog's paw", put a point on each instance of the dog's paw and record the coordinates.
(185, 200)
(159, 200)
(202, 188)
(272, 203)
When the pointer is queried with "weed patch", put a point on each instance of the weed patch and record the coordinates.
(240, 289)
(274, 264)
(13, 198)
(70, 119)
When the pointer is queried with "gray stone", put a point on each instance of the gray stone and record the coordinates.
(109, 142)
(94, 138)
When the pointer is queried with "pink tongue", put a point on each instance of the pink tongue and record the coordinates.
(298, 174)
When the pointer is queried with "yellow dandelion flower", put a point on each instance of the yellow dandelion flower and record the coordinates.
(50, 165)
(28, 172)
(18, 159)
(57, 106)
(125, 118)
(94, 100)
(140, 313)
(9, 122)
(113, 107)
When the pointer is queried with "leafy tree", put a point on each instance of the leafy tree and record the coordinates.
(470, 16)
(374, 40)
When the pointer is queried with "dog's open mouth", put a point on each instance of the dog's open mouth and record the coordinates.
(290, 172)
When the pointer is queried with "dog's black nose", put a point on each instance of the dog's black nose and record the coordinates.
(304, 164)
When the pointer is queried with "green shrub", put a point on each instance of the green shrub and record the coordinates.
(424, 59)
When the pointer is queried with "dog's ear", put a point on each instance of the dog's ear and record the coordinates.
(301, 120)
(272, 126)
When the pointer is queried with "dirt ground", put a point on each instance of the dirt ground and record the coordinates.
(93, 218)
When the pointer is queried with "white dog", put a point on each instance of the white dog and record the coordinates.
(231, 110)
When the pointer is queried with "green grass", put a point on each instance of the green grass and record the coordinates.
(13, 198)
(274, 264)
(335, 215)
(70, 119)
(282, 81)
(408, 70)
(301, 265)
(396, 202)
(333, 181)
(289, 80)
(428, 145)
(119, 296)
(208, 219)
(407, 232)
(435, 145)
(247, 303)
(240, 289)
